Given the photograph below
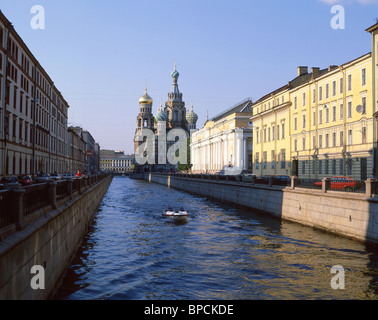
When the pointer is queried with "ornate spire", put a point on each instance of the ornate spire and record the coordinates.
(175, 94)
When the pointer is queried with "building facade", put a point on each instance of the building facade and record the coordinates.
(92, 149)
(319, 125)
(116, 161)
(332, 124)
(77, 159)
(33, 113)
(373, 30)
(224, 144)
(270, 123)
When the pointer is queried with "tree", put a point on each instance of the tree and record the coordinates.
(188, 165)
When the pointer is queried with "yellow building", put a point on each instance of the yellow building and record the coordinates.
(272, 128)
(319, 125)
(374, 72)
(270, 120)
(331, 122)
(225, 142)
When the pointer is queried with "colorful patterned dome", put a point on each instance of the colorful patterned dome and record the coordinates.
(191, 116)
(161, 115)
(175, 74)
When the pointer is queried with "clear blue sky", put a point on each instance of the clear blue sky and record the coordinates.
(100, 53)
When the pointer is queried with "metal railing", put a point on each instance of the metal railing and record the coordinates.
(62, 190)
(36, 197)
(368, 187)
(18, 203)
(5, 208)
(334, 184)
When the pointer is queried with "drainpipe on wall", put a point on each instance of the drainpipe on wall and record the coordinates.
(4, 105)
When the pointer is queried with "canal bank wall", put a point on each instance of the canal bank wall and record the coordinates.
(48, 240)
(343, 213)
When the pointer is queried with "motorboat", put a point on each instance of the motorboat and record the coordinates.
(175, 213)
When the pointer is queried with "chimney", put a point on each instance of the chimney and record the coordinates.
(330, 68)
(302, 71)
(315, 71)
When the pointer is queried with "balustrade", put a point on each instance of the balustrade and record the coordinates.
(18, 203)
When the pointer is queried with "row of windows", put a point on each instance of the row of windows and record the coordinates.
(44, 84)
(116, 162)
(333, 89)
(269, 133)
(281, 159)
(23, 104)
(324, 92)
(327, 166)
(21, 132)
(333, 140)
(21, 163)
(327, 114)
(275, 102)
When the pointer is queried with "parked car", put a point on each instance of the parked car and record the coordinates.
(44, 177)
(9, 183)
(342, 183)
(66, 176)
(246, 174)
(56, 176)
(264, 179)
(281, 180)
(25, 180)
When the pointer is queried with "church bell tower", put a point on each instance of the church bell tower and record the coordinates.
(175, 107)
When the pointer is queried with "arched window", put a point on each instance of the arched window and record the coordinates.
(175, 115)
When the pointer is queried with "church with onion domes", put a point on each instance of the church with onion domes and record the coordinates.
(173, 115)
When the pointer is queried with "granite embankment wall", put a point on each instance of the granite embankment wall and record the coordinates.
(344, 213)
(49, 240)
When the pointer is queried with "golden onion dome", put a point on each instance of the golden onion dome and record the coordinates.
(146, 99)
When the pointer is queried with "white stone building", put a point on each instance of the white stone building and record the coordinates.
(224, 144)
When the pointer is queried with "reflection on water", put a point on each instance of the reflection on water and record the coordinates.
(218, 252)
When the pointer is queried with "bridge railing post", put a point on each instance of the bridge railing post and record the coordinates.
(18, 207)
(326, 184)
(70, 188)
(293, 182)
(80, 185)
(369, 185)
(52, 194)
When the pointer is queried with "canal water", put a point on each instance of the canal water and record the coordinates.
(132, 252)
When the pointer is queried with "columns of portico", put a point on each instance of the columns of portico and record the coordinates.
(245, 154)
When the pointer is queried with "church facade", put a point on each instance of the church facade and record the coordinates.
(174, 115)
